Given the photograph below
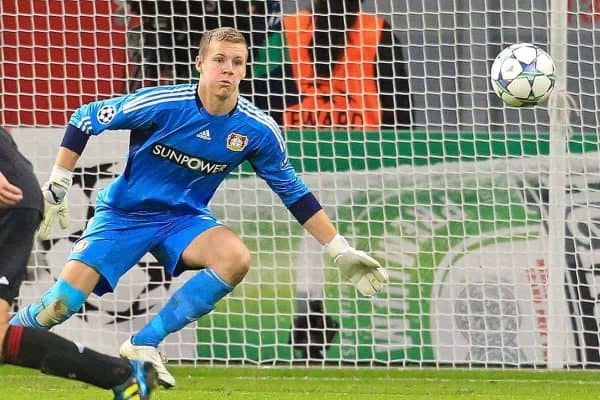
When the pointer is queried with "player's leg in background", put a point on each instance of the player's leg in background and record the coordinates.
(53, 355)
(225, 261)
(43, 350)
(313, 330)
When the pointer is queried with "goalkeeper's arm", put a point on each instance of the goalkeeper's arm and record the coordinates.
(61, 177)
(356, 266)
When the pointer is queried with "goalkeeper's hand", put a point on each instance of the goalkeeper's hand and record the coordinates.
(54, 193)
(357, 266)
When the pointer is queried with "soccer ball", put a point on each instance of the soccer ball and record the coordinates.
(523, 75)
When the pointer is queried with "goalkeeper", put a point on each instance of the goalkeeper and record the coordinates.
(184, 141)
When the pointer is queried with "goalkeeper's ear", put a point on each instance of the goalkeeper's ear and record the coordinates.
(199, 64)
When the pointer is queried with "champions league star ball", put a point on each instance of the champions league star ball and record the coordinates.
(523, 75)
(106, 114)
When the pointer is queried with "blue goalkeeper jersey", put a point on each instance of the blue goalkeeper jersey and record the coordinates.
(179, 153)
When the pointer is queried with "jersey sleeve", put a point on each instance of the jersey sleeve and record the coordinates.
(111, 114)
(271, 163)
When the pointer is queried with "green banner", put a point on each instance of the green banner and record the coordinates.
(328, 151)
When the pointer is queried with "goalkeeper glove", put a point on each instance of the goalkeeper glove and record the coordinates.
(54, 193)
(357, 266)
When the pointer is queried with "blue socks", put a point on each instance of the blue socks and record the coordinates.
(194, 299)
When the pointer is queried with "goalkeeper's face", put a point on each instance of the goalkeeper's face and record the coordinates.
(222, 66)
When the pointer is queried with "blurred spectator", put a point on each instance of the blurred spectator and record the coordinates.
(342, 68)
(160, 40)
(164, 43)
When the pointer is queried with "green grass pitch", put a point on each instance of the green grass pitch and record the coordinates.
(250, 383)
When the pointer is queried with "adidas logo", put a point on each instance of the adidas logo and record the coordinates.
(205, 134)
(4, 281)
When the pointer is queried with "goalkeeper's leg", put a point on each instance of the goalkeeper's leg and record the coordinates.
(66, 296)
(107, 249)
(62, 300)
(228, 260)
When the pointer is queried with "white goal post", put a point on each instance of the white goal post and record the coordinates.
(487, 217)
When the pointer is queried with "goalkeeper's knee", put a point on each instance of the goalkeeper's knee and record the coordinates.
(57, 305)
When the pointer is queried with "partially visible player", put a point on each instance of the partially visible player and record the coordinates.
(20, 214)
(185, 140)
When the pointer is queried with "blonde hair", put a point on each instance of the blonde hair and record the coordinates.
(225, 34)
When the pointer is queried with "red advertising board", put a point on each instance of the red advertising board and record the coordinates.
(55, 56)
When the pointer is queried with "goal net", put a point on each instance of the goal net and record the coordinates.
(390, 118)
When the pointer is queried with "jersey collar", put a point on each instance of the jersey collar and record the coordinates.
(202, 109)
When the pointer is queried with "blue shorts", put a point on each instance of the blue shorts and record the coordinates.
(113, 242)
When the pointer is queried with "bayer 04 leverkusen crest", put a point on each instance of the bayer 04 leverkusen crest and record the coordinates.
(236, 142)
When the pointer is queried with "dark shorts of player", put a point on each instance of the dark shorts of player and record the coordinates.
(114, 241)
(17, 230)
